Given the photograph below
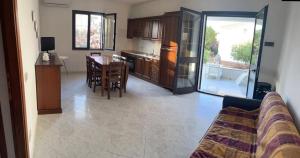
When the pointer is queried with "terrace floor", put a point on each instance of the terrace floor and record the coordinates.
(223, 87)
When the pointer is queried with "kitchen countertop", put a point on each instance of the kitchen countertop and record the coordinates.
(141, 54)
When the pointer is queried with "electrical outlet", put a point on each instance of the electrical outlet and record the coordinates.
(26, 76)
(29, 134)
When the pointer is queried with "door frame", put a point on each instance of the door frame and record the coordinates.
(3, 148)
(14, 70)
(205, 14)
(184, 90)
(262, 41)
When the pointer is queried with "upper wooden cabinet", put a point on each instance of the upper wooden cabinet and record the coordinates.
(146, 28)
(170, 22)
(130, 29)
(156, 29)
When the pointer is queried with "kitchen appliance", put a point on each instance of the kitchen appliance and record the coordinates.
(131, 63)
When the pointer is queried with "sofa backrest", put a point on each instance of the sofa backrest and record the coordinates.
(277, 135)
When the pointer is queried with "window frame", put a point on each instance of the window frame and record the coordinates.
(89, 13)
(115, 16)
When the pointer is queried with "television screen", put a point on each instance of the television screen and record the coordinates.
(47, 43)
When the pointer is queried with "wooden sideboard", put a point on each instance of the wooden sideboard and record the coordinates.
(48, 85)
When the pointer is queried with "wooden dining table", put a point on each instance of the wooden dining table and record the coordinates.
(103, 61)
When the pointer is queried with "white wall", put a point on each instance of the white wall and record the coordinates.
(146, 46)
(158, 7)
(288, 84)
(57, 22)
(274, 32)
(30, 51)
(5, 107)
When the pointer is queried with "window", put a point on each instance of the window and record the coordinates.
(93, 31)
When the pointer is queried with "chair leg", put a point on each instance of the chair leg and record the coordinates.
(124, 86)
(108, 89)
(95, 83)
(120, 89)
(94, 89)
(90, 81)
(87, 77)
(65, 66)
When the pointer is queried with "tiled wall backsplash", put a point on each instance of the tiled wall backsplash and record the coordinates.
(146, 46)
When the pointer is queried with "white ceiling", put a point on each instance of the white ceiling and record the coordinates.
(134, 1)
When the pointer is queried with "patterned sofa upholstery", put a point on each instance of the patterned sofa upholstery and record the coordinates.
(250, 128)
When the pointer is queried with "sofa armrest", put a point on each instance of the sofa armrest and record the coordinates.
(245, 104)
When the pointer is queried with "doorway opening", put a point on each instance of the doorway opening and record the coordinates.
(226, 54)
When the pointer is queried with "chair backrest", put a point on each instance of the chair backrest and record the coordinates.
(116, 69)
(95, 53)
(88, 63)
(115, 56)
(126, 68)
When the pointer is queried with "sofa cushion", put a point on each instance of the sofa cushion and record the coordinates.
(233, 134)
(277, 135)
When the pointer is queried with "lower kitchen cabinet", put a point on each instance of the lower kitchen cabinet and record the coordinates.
(139, 66)
(154, 71)
(147, 68)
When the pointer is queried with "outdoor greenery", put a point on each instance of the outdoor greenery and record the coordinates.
(210, 38)
(242, 52)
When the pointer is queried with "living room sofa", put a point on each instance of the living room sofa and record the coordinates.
(250, 128)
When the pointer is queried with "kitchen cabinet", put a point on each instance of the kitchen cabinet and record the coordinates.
(147, 68)
(156, 33)
(130, 29)
(170, 29)
(169, 48)
(147, 28)
(154, 75)
(139, 66)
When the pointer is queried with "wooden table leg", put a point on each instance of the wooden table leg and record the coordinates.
(103, 79)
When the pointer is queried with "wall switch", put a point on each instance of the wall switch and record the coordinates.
(269, 44)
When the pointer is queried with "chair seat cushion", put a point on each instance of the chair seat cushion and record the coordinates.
(233, 134)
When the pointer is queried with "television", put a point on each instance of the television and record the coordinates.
(47, 43)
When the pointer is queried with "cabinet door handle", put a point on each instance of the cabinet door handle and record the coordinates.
(167, 49)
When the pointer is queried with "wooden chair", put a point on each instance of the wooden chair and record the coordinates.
(89, 70)
(95, 53)
(115, 56)
(97, 75)
(115, 77)
(126, 72)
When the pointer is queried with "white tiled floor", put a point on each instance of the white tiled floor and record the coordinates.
(147, 122)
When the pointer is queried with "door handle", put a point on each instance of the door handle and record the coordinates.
(253, 70)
